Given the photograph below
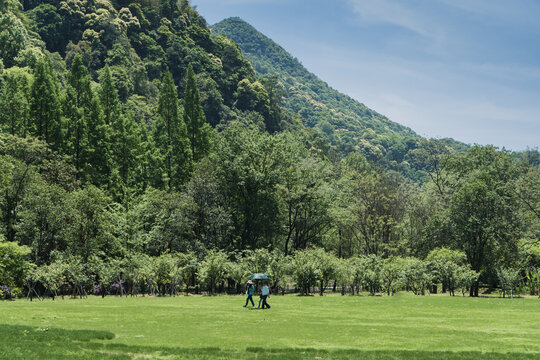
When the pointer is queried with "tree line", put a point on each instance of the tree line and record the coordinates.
(305, 272)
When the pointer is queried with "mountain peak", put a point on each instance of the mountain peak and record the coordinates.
(344, 119)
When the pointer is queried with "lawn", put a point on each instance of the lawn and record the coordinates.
(329, 327)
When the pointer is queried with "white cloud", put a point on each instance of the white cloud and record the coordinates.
(393, 12)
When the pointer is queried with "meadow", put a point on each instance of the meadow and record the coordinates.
(218, 327)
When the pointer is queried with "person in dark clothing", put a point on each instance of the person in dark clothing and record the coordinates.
(265, 292)
(249, 292)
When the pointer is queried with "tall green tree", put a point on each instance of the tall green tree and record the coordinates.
(45, 104)
(108, 96)
(171, 136)
(14, 107)
(86, 136)
(482, 216)
(197, 128)
(80, 80)
(97, 163)
(76, 131)
(124, 149)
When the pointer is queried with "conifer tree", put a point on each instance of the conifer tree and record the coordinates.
(125, 140)
(98, 165)
(80, 80)
(108, 96)
(76, 129)
(81, 110)
(14, 107)
(171, 136)
(197, 127)
(45, 104)
(149, 159)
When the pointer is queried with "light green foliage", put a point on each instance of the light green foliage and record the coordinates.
(306, 272)
(213, 269)
(257, 261)
(52, 276)
(76, 273)
(187, 270)
(392, 275)
(447, 265)
(166, 273)
(279, 270)
(508, 279)
(14, 37)
(326, 263)
(416, 275)
(14, 263)
(14, 106)
(238, 271)
(532, 276)
(372, 265)
(140, 273)
(252, 96)
(466, 279)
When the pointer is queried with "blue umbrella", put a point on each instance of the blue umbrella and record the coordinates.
(259, 277)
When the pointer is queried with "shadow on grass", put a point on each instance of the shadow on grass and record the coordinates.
(23, 342)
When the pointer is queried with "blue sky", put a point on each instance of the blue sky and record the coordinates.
(467, 69)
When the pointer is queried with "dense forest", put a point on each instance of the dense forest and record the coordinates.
(140, 152)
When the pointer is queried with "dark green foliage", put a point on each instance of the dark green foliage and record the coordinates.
(198, 129)
(49, 25)
(45, 105)
(171, 136)
(108, 96)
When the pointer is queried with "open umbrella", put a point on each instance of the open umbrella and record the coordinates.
(259, 277)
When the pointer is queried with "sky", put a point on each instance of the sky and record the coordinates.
(467, 69)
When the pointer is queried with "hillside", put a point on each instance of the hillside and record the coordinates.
(349, 124)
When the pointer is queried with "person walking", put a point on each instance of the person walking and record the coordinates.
(265, 293)
(249, 292)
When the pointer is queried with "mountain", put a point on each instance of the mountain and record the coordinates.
(350, 124)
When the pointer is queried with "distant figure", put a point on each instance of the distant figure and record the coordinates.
(265, 292)
(249, 292)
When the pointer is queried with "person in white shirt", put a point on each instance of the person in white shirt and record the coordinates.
(265, 293)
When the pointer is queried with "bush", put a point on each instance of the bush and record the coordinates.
(305, 271)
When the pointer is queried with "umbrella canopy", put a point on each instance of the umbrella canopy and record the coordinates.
(259, 277)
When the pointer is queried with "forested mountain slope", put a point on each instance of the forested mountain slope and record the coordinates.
(348, 124)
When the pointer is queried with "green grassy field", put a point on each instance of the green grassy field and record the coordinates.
(330, 327)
